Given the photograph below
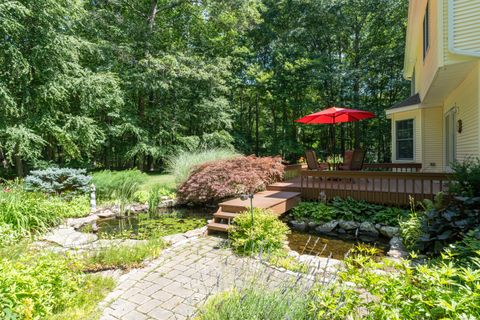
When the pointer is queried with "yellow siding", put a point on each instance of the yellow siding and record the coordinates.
(432, 128)
(425, 70)
(466, 26)
(466, 99)
(417, 116)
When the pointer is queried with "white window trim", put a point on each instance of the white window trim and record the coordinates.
(414, 141)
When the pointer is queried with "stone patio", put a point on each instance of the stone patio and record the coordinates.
(178, 283)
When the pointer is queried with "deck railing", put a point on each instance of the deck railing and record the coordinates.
(394, 167)
(383, 187)
(292, 171)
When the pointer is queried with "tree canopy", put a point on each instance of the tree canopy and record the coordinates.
(124, 83)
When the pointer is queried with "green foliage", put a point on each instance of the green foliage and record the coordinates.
(411, 230)
(36, 286)
(466, 175)
(468, 247)
(254, 303)
(314, 210)
(124, 256)
(58, 181)
(154, 199)
(446, 223)
(182, 164)
(268, 233)
(436, 290)
(85, 304)
(45, 285)
(349, 209)
(27, 212)
(113, 185)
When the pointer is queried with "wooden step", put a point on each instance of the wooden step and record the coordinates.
(224, 215)
(213, 226)
(277, 201)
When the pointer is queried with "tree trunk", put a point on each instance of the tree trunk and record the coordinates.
(257, 128)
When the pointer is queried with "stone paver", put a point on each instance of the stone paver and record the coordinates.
(183, 278)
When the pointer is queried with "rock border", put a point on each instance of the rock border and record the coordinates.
(353, 230)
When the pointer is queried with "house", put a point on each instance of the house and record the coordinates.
(440, 121)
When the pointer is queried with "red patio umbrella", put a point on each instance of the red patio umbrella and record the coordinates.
(335, 115)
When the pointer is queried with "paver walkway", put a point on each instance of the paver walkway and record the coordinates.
(176, 284)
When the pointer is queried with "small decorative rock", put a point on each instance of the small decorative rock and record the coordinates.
(389, 232)
(312, 225)
(327, 227)
(348, 225)
(298, 225)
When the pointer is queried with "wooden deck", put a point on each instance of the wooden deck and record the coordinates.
(388, 184)
(376, 186)
(278, 202)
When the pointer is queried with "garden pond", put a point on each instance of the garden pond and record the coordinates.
(143, 225)
(169, 221)
(324, 246)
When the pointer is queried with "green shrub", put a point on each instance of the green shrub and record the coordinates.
(34, 211)
(255, 303)
(468, 247)
(141, 196)
(58, 181)
(411, 230)
(122, 256)
(47, 286)
(466, 176)
(436, 290)
(36, 286)
(182, 164)
(111, 185)
(268, 232)
(314, 210)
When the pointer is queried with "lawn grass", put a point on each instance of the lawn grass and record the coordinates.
(153, 179)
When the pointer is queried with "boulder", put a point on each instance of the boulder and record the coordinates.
(298, 225)
(196, 232)
(77, 223)
(348, 225)
(68, 237)
(312, 225)
(106, 213)
(389, 232)
(368, 228)
(327, 227)
(175, 238)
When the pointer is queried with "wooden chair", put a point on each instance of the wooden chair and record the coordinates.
(347, 160)
(312, 161)
(353, 160)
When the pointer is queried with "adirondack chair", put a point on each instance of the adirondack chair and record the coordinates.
(353, 160)
(312, 161)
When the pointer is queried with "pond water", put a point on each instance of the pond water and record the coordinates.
(305, 243)
(169, 221)
(143, 225)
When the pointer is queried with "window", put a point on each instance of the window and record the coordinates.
(404, 134)
(450, 136)
(426, 31)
